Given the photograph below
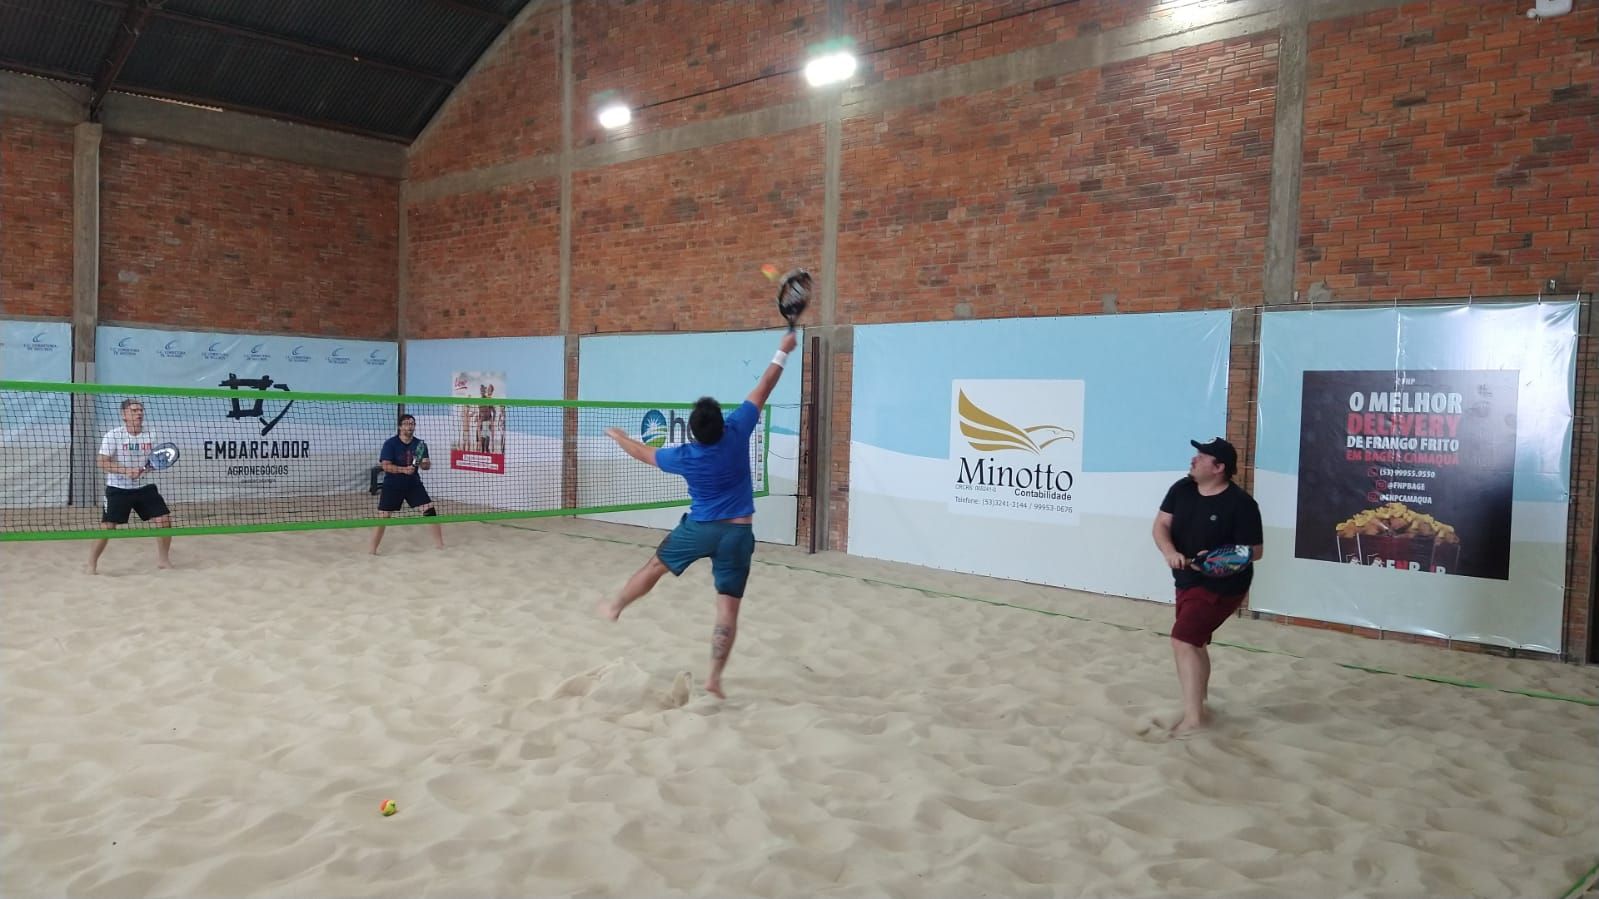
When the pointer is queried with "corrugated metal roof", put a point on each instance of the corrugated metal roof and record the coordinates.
(233, 72)
(378, 67)
(413, 32)
(66, 37)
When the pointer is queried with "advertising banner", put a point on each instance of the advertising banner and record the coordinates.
(261, 444)
(1413, 468)
(1033, 449)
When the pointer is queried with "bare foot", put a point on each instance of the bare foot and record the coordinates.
(90, 569)
(164, 563)
(1185, 727)
(608, 608)
(715, 689)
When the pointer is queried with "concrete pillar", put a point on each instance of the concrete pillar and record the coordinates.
(566, 171)
(825, 347)
(1287, 155)
(87, 482)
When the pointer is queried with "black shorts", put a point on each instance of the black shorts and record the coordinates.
(145, 500)
(393, 495)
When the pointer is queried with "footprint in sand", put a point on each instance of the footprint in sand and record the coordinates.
(682, 690)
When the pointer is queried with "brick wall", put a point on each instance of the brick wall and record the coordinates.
(697, 59)
(903, 37)
(35, 218)
(1450, 151)
(485, 264)
(1147, 179)
(509, 109)
(675, 243)
(196, 238)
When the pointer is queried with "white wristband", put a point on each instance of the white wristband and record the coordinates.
(779, 359)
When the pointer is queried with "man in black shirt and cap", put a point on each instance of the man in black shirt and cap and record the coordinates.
(1202, 512)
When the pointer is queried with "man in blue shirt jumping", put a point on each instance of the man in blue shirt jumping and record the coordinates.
(719, 523)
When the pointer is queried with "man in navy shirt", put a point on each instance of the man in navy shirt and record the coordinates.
(719, 522)
(401, 484)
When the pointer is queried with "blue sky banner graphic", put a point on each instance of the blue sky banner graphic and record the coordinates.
(487, 455)
(681, 368)
(34, 426)
(1034, 449)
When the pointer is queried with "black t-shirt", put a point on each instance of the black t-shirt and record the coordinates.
(1200, 523)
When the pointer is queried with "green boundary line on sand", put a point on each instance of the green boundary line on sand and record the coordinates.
(1533, 694)
(1582, 883)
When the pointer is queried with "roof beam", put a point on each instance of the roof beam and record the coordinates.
(480, 12)
(247, 109)
(134, 15)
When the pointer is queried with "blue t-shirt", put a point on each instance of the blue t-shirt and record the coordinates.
(398, 452)
(718, 475)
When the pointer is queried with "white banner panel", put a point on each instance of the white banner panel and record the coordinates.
(1413, 469)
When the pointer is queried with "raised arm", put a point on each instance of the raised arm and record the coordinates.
(640, 451)
(774, 371)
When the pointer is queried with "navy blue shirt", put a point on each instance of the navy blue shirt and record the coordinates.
(719, 485)
(398, 452)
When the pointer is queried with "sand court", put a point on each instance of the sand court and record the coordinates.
(230, 728)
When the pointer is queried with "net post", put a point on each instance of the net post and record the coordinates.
(569, 427)
(85, 479)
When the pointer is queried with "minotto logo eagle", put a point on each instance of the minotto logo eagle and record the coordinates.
(988, 433)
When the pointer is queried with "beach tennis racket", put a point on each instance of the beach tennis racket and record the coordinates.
(1222, 561)
(793, 295)
(162, 456)
(419, 454)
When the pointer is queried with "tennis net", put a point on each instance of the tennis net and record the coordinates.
(252, 456)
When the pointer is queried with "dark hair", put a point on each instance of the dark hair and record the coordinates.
(130, 401)
(403, 418)
(705, 422)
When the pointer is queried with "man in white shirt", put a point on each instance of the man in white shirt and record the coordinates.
(123, 453)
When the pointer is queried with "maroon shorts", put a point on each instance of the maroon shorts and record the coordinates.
(1200, 610)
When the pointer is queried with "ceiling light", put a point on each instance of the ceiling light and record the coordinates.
(615, 116)
(830, 69)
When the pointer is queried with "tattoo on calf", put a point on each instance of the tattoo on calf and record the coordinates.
(721, 641)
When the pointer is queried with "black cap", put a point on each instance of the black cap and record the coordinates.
(1220, 450)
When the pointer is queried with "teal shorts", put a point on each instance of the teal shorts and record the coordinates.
(728, 546)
